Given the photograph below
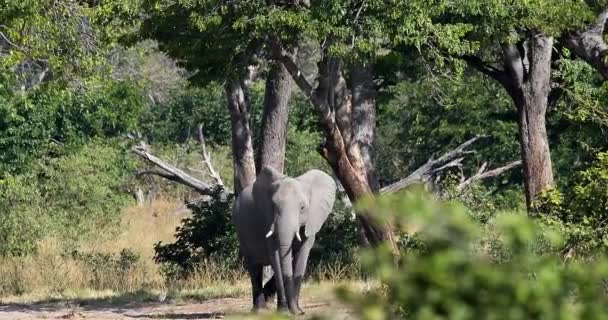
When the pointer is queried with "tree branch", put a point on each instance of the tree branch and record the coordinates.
(483, 174)
(487, 69)
(170, 172)
(282, 56)
(449, 159)
(207, 157)
(589, 44)
(514, 64)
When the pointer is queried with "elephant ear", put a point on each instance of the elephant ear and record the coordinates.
(322, 195)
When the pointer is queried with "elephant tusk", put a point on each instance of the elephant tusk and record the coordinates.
(269, 233)
(298, 236)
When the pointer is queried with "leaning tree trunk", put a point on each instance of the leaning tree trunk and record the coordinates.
(242, 145)
(271, 151)
(529, 86)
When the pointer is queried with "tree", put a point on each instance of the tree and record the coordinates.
(229, 62)
(514, 45)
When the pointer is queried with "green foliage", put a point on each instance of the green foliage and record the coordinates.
(453, 277)
(59, 36)
(482, 202)
(177, 119)
(410, 132)
(54, 120)
(581, 210)
(208, 234)
(577, 125)
(301, 154)
(73, 198)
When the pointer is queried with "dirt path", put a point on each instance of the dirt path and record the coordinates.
(226, 308)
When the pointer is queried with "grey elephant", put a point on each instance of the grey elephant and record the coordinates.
(277, 219)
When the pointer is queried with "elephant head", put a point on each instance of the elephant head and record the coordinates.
(293, 209)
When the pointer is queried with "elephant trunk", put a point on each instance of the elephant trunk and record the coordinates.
(287, 275)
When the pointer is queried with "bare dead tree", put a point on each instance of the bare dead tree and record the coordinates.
(170, 172)
(432, 167)
(449, 160)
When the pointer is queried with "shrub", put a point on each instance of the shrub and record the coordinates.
(580, 212)
(452, 276)
(102, 264)
(208, 234)
(72, 198)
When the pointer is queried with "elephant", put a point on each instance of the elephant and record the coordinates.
(277, 219)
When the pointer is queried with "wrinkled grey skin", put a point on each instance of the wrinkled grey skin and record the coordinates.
(267, 216)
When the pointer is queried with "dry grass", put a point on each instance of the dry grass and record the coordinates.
(54, 274)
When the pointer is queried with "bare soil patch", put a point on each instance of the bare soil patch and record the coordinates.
(224, 308)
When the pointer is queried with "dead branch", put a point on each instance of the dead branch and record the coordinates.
(207, 157)
(483, 174)
(432, 167)
(170, 172)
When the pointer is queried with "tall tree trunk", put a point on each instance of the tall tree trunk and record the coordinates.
(364, 118)
(271, 151)
(529, 68)
(242, 145)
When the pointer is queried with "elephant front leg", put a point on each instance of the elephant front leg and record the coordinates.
(275, 261)
(300, 267)
(257, 292)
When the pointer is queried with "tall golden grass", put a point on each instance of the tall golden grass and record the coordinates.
(54, 274)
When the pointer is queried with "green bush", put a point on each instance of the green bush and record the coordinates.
(208, 234)
(452, 276)
(580, 212)
(73, 197)
(177, 119)
(52, 121)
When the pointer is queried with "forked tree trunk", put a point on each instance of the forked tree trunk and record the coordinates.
(271, 151)
(242, 145)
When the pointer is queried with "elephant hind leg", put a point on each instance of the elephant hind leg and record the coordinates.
(257, 292)
(270, 289)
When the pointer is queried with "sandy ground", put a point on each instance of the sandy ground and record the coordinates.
(226, 308)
